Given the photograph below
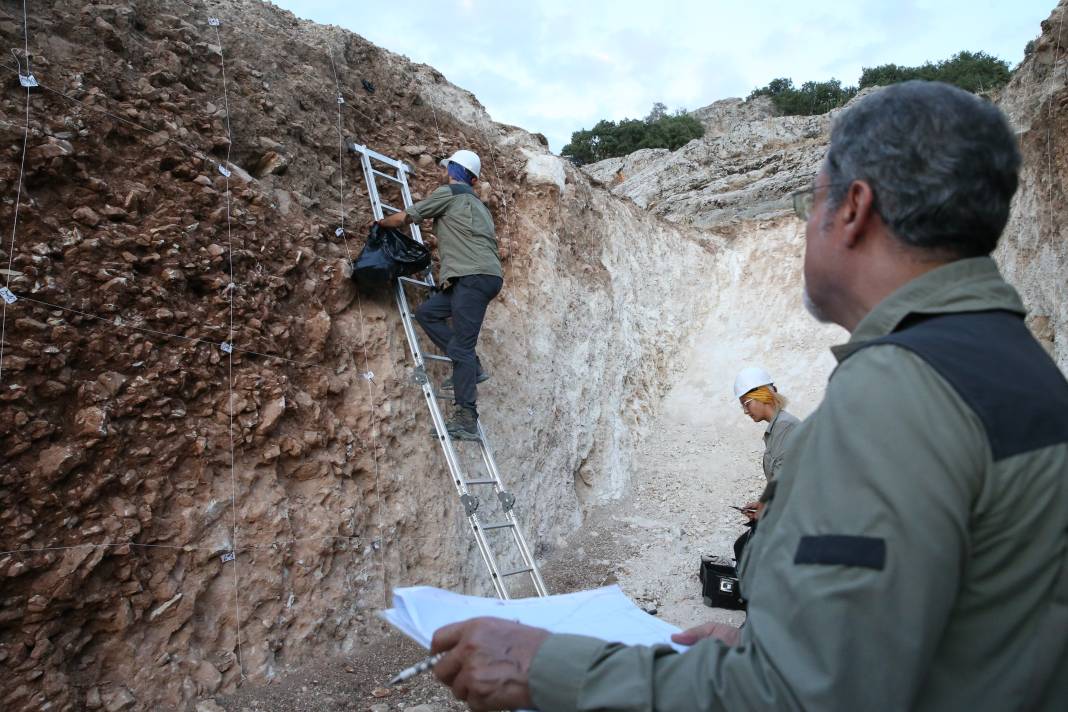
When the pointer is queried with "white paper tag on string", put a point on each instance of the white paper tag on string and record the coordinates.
(340, 99)
(224, 170)
(340, 232)
(370, 375)
(228, 557)
(214, 21)
(27, 80)
(8, 295)
(226, 347)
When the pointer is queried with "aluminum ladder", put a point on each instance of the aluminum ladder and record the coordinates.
(396, 172)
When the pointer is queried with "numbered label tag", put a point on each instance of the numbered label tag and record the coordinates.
(8, 295)
(27, 80)
(340, 232)
(226, 347)
(370, 376)
(340, 99)
(224, 170)
(228, 557)
(214, 21)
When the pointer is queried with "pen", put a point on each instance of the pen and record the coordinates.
(419, 667)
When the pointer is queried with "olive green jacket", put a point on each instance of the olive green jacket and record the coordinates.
(467, 240)
(775, 439)
(914, 555)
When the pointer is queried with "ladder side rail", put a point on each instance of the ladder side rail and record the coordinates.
(417, 234)
(409, 328)
(372, 187)
(487, 555)
(527, 556)
(453, 463)
(486, 550)
(406, 199)
(517, 534)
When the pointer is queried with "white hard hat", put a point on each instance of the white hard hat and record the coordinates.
(465, 158)
(750, 378)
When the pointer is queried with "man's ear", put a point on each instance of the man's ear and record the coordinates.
(857, 212)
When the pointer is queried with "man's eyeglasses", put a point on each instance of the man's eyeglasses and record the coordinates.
(745, 404)
(804, 200)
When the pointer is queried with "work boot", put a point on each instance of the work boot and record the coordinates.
(464, 424)
(447, 384)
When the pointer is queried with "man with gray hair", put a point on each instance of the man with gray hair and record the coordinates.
(915, 553)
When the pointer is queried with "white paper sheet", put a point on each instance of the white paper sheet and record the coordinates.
(604, 613)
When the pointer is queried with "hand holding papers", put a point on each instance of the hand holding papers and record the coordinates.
(604, 613)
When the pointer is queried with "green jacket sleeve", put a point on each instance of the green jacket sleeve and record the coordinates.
(433, 206)
(891, 456)
(781, 440)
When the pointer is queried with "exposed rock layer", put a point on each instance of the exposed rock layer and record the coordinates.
(113, 433)
(741, 173)
(129, 462)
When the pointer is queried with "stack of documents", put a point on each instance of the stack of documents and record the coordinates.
(604, 613)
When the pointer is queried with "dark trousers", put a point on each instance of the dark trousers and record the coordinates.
(465, 302)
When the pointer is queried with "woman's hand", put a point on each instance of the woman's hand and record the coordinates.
(720, 631)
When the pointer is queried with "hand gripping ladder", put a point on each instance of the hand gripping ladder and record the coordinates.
(506, 521)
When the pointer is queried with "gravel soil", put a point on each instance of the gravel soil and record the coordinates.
(649, 543)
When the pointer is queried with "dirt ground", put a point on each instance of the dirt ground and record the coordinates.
(649, 542)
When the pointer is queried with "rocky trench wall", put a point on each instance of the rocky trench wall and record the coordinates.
(137, 456)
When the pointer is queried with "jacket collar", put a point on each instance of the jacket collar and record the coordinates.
(968, 285)
(771, 424)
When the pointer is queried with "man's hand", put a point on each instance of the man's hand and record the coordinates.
(721, 631)
(396, 220)
(488, 662)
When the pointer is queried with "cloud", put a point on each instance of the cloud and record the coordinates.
(556, 66)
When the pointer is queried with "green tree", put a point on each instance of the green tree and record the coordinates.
(608, 139)
(811, 98)
(972, 71)
(659, 111)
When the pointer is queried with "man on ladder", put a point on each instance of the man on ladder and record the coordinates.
(471, 276)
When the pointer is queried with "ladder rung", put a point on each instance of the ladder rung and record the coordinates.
(409, 280)
(433, 357)
(386, 206)
(399, 165)
(499, 525)
(517, 571)
(387, 176)
(480, 482)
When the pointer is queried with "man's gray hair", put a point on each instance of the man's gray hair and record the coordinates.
(941, 162)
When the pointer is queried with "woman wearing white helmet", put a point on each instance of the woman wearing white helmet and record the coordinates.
(762, 402)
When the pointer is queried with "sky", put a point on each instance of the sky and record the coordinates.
(557, 66)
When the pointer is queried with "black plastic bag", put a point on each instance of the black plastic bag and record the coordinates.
(388, 254)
